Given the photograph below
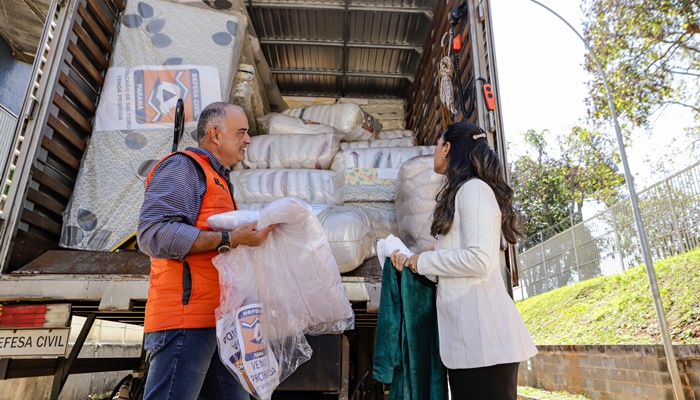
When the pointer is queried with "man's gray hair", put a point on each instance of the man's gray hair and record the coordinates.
(213, 114)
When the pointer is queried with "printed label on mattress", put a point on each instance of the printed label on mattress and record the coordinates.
(145, 97)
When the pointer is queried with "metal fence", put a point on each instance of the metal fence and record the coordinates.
(608, 243)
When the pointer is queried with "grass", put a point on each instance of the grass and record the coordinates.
(619, 309)
(545, 395)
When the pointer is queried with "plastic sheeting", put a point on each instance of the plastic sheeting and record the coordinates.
(164, 50)
(378, 157)
(269, 299)
(351, 236)
(281, 124)
(416, 187)
(400, 142)
(290, 152)
(382, 214)
(267, 185)
(395, 133)
(349, 118)
(348, 230)
(367, 184)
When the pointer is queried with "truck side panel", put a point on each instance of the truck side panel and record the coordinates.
(55, 126)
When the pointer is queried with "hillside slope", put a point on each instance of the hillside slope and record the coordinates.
(619, 309)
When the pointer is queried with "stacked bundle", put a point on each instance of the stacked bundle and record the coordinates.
(416, 187)
(293, 160)
(367, 177)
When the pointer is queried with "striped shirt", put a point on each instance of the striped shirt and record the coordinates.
(171, 205)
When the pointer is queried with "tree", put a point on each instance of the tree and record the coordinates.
(549, 189)
(650, 51)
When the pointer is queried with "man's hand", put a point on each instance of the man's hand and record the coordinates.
(247, 235)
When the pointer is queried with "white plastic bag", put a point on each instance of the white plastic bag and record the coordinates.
(350, 235)
(290, 152)
(349, 118)
(416, 188)
(269, 299)
(395, 133)
(378, 157)
(399, 142)
(280, 124)
(266, 185)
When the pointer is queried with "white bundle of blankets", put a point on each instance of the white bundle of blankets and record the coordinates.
(265, 185)
(273, 294)
(416, 188)
(349, 231)
(290, 151)
(395, 142)
(354, 123)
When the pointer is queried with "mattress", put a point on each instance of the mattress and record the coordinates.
(164, 50)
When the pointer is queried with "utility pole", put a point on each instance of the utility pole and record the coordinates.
(648, 262)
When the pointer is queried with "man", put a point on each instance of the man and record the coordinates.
(182, 190)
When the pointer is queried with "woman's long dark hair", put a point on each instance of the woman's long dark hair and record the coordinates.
(473, 158)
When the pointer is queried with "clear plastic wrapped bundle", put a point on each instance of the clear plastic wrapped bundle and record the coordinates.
(400, 142)
(350, 234)
(270, 300)
(395, 133)
(416, 187)
(377, 157)
(281, 124)
(367, 184)
(382, 214)
(348, 230)
(266, 185)
(349, 118)
(290, 152)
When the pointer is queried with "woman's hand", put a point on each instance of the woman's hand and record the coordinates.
(401, 260)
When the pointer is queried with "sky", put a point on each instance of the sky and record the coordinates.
(542, 85)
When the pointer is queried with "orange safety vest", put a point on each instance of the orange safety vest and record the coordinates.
(184, 294)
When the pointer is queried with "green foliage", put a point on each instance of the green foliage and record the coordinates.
(618, 309)
(540, 394)
(550, 189)
(650, 51)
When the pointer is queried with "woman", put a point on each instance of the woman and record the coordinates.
(482, 337)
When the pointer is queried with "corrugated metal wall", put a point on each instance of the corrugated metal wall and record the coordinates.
(8, 121)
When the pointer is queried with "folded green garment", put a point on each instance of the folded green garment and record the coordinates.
(407, 353)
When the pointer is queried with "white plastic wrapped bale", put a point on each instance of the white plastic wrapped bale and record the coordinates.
(281, 124)
(355, 123)
(416, 187)
(290, 152)
(164, 50)
(269, 300)
(382, 214)
(351, 236)
(377, 157)
(395, 133)
(348, 230)
(399, 142)
(366, 184)
(266, 185)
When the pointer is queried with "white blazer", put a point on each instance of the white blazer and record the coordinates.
(478, 323)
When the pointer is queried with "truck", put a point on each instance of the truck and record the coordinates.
(337, 49)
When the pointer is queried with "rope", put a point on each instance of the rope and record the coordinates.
(447, 91)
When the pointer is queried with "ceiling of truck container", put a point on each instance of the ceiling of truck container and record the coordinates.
(343, 48)
(333, 48)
